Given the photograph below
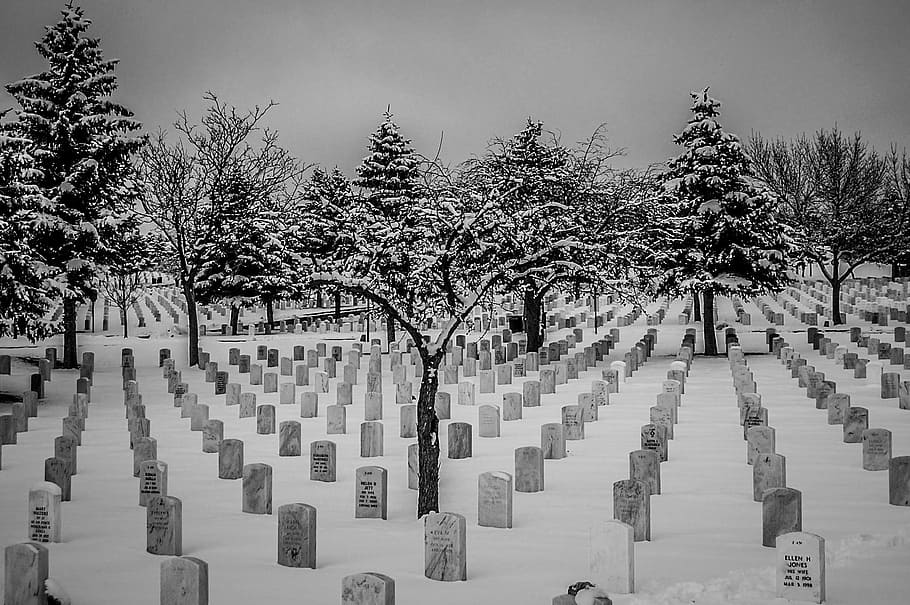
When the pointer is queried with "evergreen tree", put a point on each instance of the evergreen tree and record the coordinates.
(29, 287)
(726, 238)
(389, 175)
(82, 143)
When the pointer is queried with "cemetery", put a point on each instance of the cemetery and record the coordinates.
(643, 487)
(533, 369)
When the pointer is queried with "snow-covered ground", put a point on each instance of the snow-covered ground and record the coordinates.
(705, 543)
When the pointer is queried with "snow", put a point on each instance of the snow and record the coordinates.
(706, 529)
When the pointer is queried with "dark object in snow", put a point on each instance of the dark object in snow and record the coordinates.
(574, 588)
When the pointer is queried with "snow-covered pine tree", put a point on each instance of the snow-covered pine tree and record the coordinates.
(727, 239)
(82, 143)
(235, 252)
(29, 287)
(389, 177)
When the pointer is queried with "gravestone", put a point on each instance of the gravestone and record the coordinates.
(529, 469)
(344, 393)
(371, 439)
(782, 512)
(768, 471)
(44, 518)
(372, 406)
(759, 440)
(322, 461)
(144, 448)
(800, 569)
(414, 466)
(547, 381)
(876, 449)
(152, 480)
(164, 526)
(289, 438)
(371, 497)
(230, 459)
(309, 404)
(199, 415)
(184, 581)
(212, 434)
(265, 419)
(407, 421)
(445, 554)
(654, 437)
(368, 588)
(247, 405)
(611, 556)
(573, 422)
(336, 422)
(302, 375)
(494, 499)
(66, 449)
(644, 466)
(25, 574)
(632, 505)
(459, 440)
(257, 489)
(466, 393)
(856, 420)
(552, 441)
(531, 394)
(488, 421)
(443, 405)
(899, 481)
(297, 535)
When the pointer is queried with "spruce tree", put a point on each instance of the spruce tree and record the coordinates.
(29, 287)
(727, 239)
(82, 143)
(389, 177)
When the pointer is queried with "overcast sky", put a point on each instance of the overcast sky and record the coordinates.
(475, 70)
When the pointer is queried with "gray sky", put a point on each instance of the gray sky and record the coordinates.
(477, 69)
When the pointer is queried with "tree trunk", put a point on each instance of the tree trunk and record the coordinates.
(337, 305)
(835, 300)
(192, 322)
(319, 299)
(69, 334)
(428, 435)
(269, 316)
(696, 307)
(126, 332)
(235, 318)
(710, 334)
(93, 313)
(532, 315)
(390, 330)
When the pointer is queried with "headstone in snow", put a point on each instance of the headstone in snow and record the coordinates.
(632, 505)
(445, 553)
(371, 497)
(25, 574)
(800, 567)
(494, 499)
(782, 512)
(876, 449)
(257, 489)
(368, 588)
(322, 461)
(164, 526)
(297, 535)
(611, 556)
(184, 581)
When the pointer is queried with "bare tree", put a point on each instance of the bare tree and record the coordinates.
(124, 290)
(184, 181)
(833, 190)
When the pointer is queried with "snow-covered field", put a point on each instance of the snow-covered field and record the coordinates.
(705, 531)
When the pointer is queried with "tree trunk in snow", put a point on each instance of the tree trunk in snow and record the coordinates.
(390, 330)
(337, 305)
(428, 435)
(126, 331)
(269, 316)
(835, 300)
(696, 306)
(235, 318)
(533, 319)
(69, 334)
(192, 323)
(710, 334)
